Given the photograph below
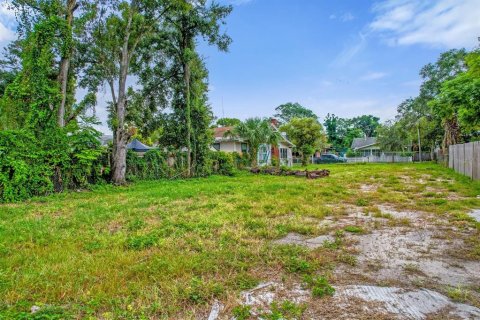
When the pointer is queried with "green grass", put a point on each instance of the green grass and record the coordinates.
(169, 248)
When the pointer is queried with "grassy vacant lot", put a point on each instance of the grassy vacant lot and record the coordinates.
(169, 248)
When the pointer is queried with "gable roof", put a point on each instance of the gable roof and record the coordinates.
(359, 143)
(137, 146)
(220, 131)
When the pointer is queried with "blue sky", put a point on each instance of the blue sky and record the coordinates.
(347, 57)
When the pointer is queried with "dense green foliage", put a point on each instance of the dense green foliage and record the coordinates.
(31, 167)
(288, 111)
(256, 131)
(307, 135)
(66, 45)
(342, 131)
(227, 122)
(446, 111)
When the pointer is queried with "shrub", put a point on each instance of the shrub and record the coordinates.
(222, 163)
(58, 159)
(152, 166)
(351, 154)
(241, 160)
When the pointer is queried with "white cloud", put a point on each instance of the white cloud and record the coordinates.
(373, 76)
(351, 50)
(347, 17)
(439, 23)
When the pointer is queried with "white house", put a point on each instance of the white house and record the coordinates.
(229, 143)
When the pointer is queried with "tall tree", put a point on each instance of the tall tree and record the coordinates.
(307, 135)
(459, 101)
(288, 111)
(189, 20)
(341, 132)
(116, 38)
(368, 124)
(447, 67)
(392, 137)
(69, 18)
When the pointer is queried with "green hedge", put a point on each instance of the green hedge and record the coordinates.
(60, 159)
(154, 165)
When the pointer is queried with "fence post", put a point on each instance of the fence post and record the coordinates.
(476, 161)
(450, 156)
(468, 159)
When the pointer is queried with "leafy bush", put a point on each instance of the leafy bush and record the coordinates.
(222, 163)
(152, 166)
(351, 154)
(58, 159)
(241, 160)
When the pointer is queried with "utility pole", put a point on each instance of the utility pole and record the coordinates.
(419, 145)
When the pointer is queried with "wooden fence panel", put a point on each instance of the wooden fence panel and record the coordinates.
(456, 155)
(451, 156)
(468, 160)
(476, 160)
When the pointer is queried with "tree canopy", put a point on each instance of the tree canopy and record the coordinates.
(288, 111)
(307, 135)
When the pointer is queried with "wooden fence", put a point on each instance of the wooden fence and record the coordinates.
(465, 159)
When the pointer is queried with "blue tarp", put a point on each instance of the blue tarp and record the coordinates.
(137, 146)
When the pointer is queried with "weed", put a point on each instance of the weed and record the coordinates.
(297, 265)
(286, 310)
(458, 294)
(361, 202)
(136, 224)
(320, 286)
(354, 229)
(140, 242)
(347, 258)
(382, 215)
(245, 281)
(241, 312)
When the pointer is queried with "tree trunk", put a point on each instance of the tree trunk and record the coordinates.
(304, 160)
(186, 79)
(452, 132)
(119, 158)
(121, 134)
(65, 64)
(254, 155)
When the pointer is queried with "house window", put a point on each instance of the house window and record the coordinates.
(244, 147)
(216, 146)
(283, 153)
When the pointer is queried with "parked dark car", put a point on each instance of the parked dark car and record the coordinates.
(329, 158)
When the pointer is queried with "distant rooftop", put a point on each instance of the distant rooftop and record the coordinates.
(359, 143)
